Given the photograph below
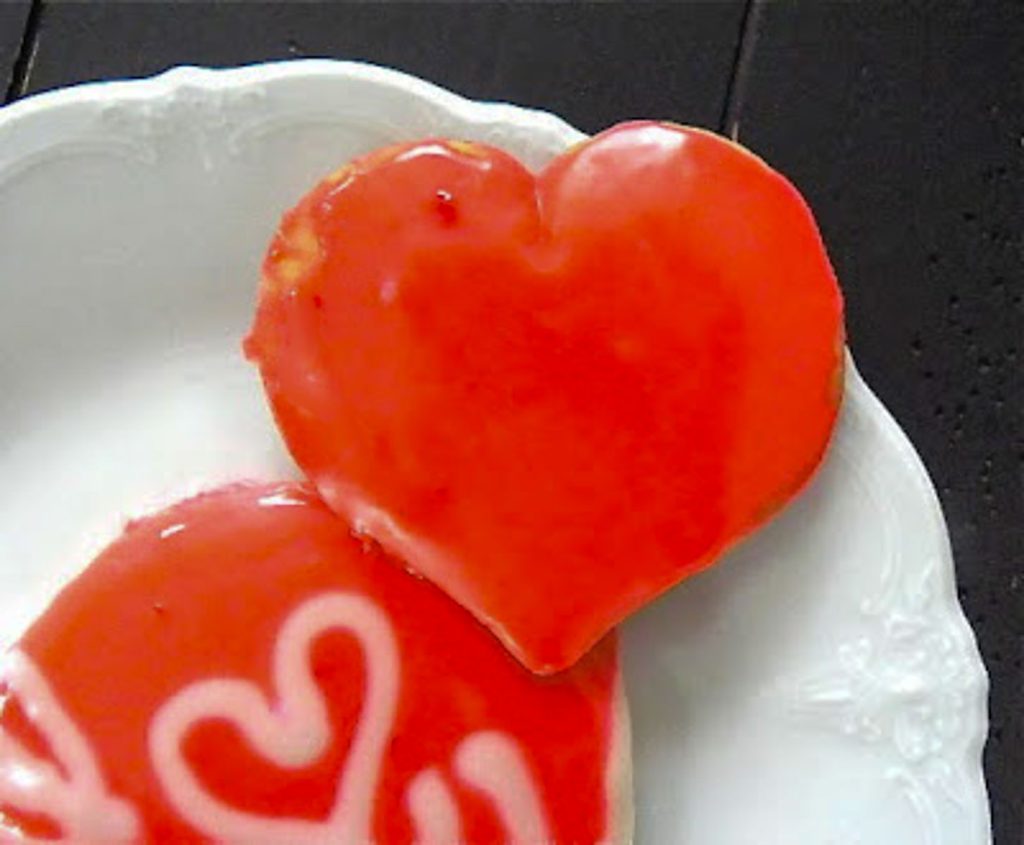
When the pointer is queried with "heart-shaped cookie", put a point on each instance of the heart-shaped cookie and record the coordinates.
(239, 668)
(557, 395)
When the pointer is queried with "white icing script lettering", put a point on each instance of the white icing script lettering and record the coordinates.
(493, 764)
(294, 731)
(74, 795)
(433, 809)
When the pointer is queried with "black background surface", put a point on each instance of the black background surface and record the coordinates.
(903, 124)
(13, 21)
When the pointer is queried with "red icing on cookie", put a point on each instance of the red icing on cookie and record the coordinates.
(238, 667)
(555, 396)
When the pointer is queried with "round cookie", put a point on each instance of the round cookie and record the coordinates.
(239, 667)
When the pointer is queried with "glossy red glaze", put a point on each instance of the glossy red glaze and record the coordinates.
(201, 590)
(555, 396)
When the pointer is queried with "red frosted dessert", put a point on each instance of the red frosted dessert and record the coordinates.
(240, 668)
(557, 395)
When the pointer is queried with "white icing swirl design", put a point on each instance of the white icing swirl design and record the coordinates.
(291, 732)
(295, 731)
(74, 795)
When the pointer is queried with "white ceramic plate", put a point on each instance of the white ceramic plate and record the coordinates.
(820, 686)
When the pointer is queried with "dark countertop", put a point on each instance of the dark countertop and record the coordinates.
(902, 124)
